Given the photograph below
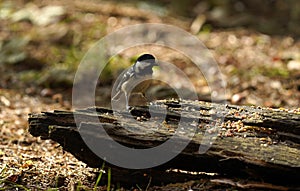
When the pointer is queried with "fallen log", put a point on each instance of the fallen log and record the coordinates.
(245, 143)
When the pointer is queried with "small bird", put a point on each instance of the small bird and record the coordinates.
(132, 80)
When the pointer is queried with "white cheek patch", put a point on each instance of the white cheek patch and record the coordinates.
(141, 66)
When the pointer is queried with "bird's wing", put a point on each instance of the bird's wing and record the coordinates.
(126, 76)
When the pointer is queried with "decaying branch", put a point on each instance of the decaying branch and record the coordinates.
(248, 143)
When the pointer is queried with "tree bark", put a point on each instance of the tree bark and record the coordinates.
(244, 143)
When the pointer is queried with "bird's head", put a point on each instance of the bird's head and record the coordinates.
(145, 63)
(147, 58)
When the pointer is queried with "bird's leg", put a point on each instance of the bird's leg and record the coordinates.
(127, 100)
(144, 97)
(143, 94)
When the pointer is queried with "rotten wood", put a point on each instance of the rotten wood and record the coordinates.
(248, 143)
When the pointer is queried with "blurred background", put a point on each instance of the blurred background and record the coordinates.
(255, 43)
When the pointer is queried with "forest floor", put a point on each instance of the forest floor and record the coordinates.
(38, 61)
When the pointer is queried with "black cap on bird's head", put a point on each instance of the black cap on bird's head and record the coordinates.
(147, 58)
